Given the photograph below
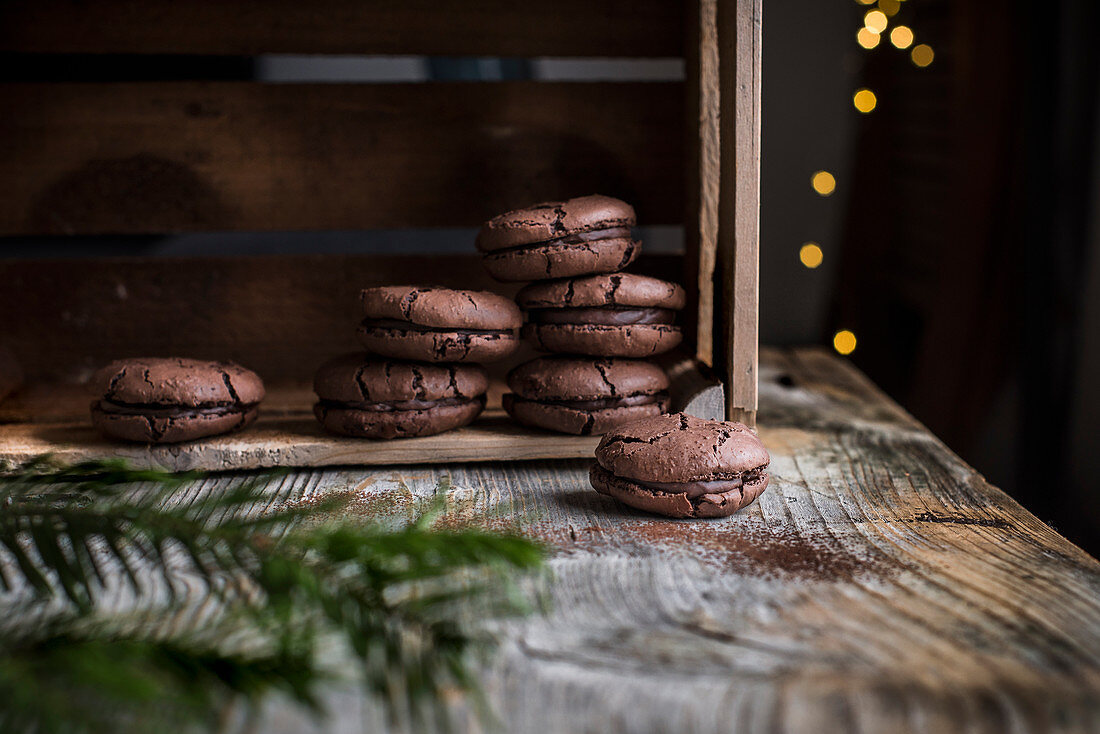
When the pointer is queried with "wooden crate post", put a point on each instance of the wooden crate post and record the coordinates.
(738, 245)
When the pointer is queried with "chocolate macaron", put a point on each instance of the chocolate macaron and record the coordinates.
(432, 324)
(364, 396)
(558, 239)
(681, 466)
(167, 400)
(618, 315)
(584, 395)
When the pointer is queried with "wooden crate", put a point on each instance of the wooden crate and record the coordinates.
(122, 158)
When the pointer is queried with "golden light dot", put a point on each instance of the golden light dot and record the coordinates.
(867, 38)
(864, 100)
(890, 7)
(844, 341)
(823, 182)
(811, 255)
(875, 20)
(901, 36)
(922, 55)
(866, 2)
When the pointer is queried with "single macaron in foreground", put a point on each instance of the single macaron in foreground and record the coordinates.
(681, 466)
(558, 239)
(168, 400)
(618, 315)
(585, 395)
(432, 324)
(364, 396)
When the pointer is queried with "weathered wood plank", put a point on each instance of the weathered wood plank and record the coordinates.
(181, 156)
(424, 27)
(279, 315)
(739, 59)
(879, 585)
(703, 150)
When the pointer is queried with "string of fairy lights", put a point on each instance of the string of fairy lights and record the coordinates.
(879, 23)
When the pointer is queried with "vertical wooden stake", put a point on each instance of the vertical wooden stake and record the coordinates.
(702, 179)
(739, 201)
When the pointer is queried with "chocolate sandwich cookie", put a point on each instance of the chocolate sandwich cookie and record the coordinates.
(432, 324)
(372, 397)
(583, 395)
(559, 239)
(619, 315)
(170, 400)
(681, 466)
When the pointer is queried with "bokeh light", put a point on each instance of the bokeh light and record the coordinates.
(889, 7)
(922, 55)
(811, 255)
(867, 38)
(866, 2)
(864, 100)
(901, 36)
(844, 342)
(823, 182)
(875, 20)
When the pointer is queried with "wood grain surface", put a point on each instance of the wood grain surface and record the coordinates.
(153, 157)
(424, 27)
(879, 585)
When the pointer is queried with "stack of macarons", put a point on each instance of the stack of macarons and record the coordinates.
(422, 372)
(581, 304)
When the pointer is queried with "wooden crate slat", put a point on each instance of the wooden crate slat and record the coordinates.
(427, 27)
(182, 156)
(280, 315)
(703, 173)
(738, 269)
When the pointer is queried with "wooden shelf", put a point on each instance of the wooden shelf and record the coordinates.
(53, 419)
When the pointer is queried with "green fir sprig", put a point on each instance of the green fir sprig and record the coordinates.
(399, 602)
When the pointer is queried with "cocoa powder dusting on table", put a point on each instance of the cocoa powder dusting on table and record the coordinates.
(749, 548)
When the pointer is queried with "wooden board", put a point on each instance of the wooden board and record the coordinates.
(422, 27)
(879, 586)
(53, 419)
(279, 315)
(738, 266)
(154, 157)
(703, 157)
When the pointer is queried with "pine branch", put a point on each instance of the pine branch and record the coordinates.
(95, 678)
(397, 599)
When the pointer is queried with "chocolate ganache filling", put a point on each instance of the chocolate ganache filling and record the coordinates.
(160, 410)
(398, 405)
(605, 316)
(577, 238)
(408, 326)
(624, 401)
(707, 486)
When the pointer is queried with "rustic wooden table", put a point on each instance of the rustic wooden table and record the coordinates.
(879, 585)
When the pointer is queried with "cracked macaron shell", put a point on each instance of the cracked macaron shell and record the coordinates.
(176, 381)
(617, 289)
(554, 219)
(442, 308)
(580, 378)
(358, 377)
(680, 448)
